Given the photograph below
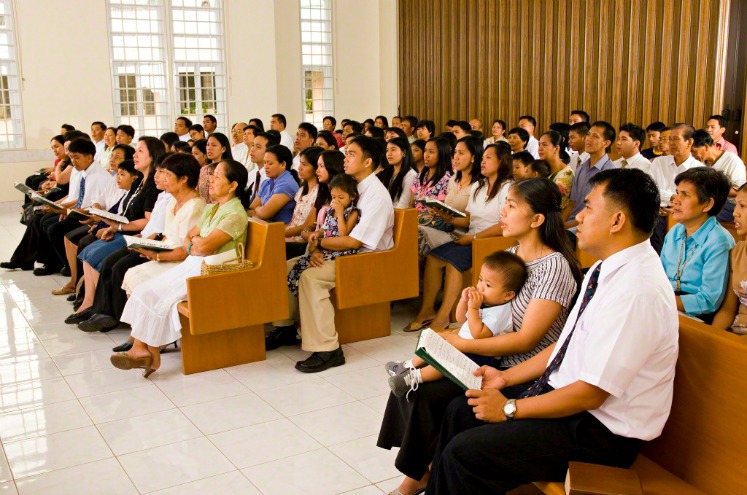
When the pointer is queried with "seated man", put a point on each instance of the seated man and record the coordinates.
(372, 233)
(604, 387)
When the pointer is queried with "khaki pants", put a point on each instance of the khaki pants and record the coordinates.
(317, 315)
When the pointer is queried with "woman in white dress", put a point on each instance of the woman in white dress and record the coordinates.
(152, 308)
(304, 213)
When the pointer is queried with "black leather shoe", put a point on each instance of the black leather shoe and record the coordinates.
(123, 347)
(76, 318)
(9, 265)
(72, 297)
(44, 270)
(281, 336)
(320, 361)
(65, 271)
(98, 323)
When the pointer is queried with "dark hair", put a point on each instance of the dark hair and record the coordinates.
(312, 156)
(656, 127)
(503, 124)
(559, 140)
(281, 118)
(371, 148)
(420, 143)
(328, 138)
(74, 134)
(129, 167)
(524, 157)
(444, 162)
(255, 129)
(411, 119)
(101, 125)
(155, 150)
(258, 123)
(310, 129)
(530, 119)
(397, 130)
(376, 132)
(505, 172)
(608, 132)
(709, 183)
(272, 137)
(580, 128)
(201, 144)
(463, 125)
(355, 126)
(127, 129)
(394, 183)
(236, 172)
(345, 183)
(500, 146)
(181, 147)
(128, 150)
(197, 127)
(722, 122)
(183, 165)
(523, 134)
(59, 138)
(334, 162)
(169, 138)
(331, 119)
(368, 123)
(687, 130)
(383, 119)
(541, 167)
(450, 137)
(665, 129)
(223, 140)
(283, 155)
(186, 120)
(635, 132)
(343, 122)
(475, 147)
(635, 191)
(429, 125)
(82, 146)
(450, 123)
(584, 116)
(702, 138)
(544, 198)
(67, 127)
(511, 268)
(211, 118)
(476, 133)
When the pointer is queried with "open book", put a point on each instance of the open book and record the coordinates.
(109, 216)
(448, 360)
(24, 188)
(440, 205)
(140, 243)
(78, 215)
(38, 198)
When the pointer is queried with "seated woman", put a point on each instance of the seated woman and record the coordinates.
(497, 131)
(552, 149)
(446, 263)
(531, 216)
(304, 213)
(418, 148)
(466, 165)
(152, 309)
(398, 173)
(695, 254)
(110, 141)
(732, 315)
(199, 152)
(433, 181)
(275, 202)
(518, 139)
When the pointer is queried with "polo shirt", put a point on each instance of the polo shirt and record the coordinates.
(375, 227)
(725, 145)
(285, 184)
(733, 167)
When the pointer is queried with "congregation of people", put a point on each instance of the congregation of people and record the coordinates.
(564, 355)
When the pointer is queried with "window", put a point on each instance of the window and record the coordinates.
(11, 121)
(167, 61)
(316, 53)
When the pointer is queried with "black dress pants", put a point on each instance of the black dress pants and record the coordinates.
(474, 457)
(56, 235)
(27, 251)
(110, 298)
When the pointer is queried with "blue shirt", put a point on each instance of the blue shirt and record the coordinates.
(703, 262)
(581, 187)
(285, 184)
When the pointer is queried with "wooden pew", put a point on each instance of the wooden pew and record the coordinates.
(368, 282)
(224, 315)
(702, 448)
(481, 249)
(585, 259)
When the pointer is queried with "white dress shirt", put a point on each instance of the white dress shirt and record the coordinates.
(184, 137)
(296, 162)
(577, 159)
(626, 343)
(733, 167)
(533, 147)
(239, 152)
(157, 221)
(97, 183)
(110, 195)
(100, 146)
(404, 199)
(286, 139)
(376, 224)
(636, 161)
(664, 170)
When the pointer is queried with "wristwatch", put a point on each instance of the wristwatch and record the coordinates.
(319, 242)
(509, 409)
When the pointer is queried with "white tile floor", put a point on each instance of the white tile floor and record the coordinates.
(70, 423)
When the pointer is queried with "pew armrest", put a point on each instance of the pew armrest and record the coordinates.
(482, 248)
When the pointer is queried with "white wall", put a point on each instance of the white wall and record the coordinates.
(66, 72)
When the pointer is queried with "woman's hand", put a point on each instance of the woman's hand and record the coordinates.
(443, 215)
(316, 259)
(464, 240)
(147, 253)
(107, 234)
(454, 339)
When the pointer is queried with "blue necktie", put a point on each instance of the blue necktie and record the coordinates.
(81, 193)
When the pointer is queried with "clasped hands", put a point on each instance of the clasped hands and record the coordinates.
(316, 256)
(487, 404)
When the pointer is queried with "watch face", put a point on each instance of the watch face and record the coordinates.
(509, 409)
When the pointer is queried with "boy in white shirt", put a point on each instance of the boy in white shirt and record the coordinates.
(484, 312)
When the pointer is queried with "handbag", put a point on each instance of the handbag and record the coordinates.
(226, 262)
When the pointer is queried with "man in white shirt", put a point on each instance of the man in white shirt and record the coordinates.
(305, 137)
(261, 142)
(409, 124)
(239, 150)
(666, 168)
(629, 141)
(602, 389)
(181, 128)
(705, 151)
(577, 142)
(373, 232)
(210, 124)
(97, 136)
(528, 123)
(278, 123)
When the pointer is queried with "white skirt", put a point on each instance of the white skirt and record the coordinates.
(435, 237)
(151, 310)
(142, 273)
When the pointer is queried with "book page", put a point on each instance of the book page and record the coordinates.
(450, 359)
(139, 242)
(109, 216)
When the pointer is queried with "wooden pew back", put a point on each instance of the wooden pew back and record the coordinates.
(481, 249)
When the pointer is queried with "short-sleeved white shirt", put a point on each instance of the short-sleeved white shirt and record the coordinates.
(483, 213)
(636, 161)
(664, 170)
(626, 343)
(404, 199)
(376, 225)
(733, 167)
(496, 318)
(533, 147)
(97, 183)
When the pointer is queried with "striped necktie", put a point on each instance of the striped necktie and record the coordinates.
(81, 192)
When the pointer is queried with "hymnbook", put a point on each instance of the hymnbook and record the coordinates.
(153, 245)
(109, 216)
(440, 205)
(448, 360)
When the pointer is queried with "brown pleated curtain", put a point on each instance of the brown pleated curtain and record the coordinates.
(619, 60)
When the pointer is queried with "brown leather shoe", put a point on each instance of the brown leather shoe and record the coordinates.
(63, 291)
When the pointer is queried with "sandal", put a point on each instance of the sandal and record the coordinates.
(416, 326)
(63, 291)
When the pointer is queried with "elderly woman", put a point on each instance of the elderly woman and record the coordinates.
(304, 213)
(151, 311)
(733, 312)
(695, 254)
(275, 201)
(531, 215)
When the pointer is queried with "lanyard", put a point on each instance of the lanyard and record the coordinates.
(681, 269)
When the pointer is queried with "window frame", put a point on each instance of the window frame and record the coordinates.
(326, 92)
(10, 87)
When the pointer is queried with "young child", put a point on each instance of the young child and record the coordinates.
(521, 162)
(538, 169)
(340, 218)
(483, 312)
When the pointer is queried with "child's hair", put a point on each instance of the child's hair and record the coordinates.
(345, 183)
(524, 157)
(541, 168)
(511, 268)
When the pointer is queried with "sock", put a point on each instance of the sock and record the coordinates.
(418, 376)
(408, 364)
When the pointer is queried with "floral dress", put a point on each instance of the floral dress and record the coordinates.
(330, 228)
(564, 180)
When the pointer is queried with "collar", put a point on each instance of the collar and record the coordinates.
(279, 177)
(365, 184)
(602, 162)
(700, 235)
(622, 258)
(721, 141)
